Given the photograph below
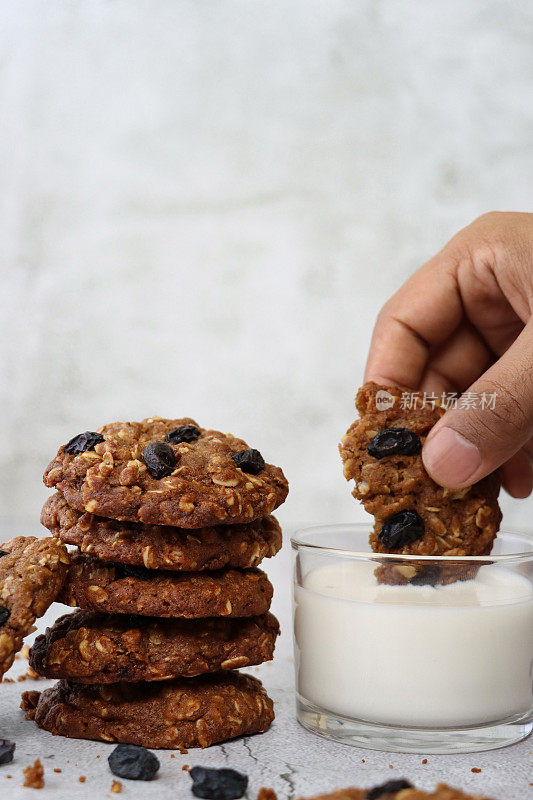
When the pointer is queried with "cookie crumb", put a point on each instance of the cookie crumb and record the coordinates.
(363, 760)
(34, 775)
(29, 702)
(30, 675)
(183, 751)
(57, 769)
(475, 769)
(424, 761)
(266, 794)
(82, 779)
(185, 768)
(116, 787)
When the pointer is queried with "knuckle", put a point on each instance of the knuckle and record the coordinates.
(482, 238)
(489, 217)
(484, 430)
(385, 311)
(510, 408)
(508, 420)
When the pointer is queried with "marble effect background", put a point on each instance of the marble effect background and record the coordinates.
(203, 206)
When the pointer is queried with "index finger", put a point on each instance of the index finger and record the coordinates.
(422, 314)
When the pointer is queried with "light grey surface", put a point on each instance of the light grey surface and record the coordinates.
(204, 204)
(287, 758)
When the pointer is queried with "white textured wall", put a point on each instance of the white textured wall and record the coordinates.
(204, 204)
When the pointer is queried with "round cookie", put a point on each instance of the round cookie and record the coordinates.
(32, 572)
(146, 472)
(350, 793)
(95, 585)
(163, 547)
(88, 647)
(398, 789)
(390, 480)
(183, 713)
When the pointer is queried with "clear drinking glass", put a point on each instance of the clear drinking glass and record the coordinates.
(409, 653)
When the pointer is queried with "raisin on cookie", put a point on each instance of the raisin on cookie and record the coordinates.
(166, 472)
(160, 546)
(32, 572)
(188, 712)
(88, 647)
(95, 585)
(413, 515)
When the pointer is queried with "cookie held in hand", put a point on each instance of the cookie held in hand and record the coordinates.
(381, 452)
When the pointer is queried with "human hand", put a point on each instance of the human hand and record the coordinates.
(463, 322)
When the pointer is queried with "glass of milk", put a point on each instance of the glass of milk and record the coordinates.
(409, 665)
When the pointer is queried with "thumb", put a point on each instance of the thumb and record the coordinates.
(492, 421)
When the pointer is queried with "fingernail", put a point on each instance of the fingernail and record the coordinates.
(450, 459)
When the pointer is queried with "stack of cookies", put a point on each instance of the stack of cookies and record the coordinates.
(170, 521)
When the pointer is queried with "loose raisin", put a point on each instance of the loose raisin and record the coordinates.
(82, 442)
(159, 459)
(390, 787)
(7, 749)
(5, 613)
(185, 433)
(133, 762)
(249, 461)
(218, 784)
(401, 529)
(394, 441)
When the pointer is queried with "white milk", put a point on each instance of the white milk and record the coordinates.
(415, 656)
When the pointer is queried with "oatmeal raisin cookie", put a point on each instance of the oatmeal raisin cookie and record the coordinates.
(88, 647)
(166, 472)
(95, 585)
(163, 546)
(182, 713)
(391, 791)
(413, 514)
(32, 572)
